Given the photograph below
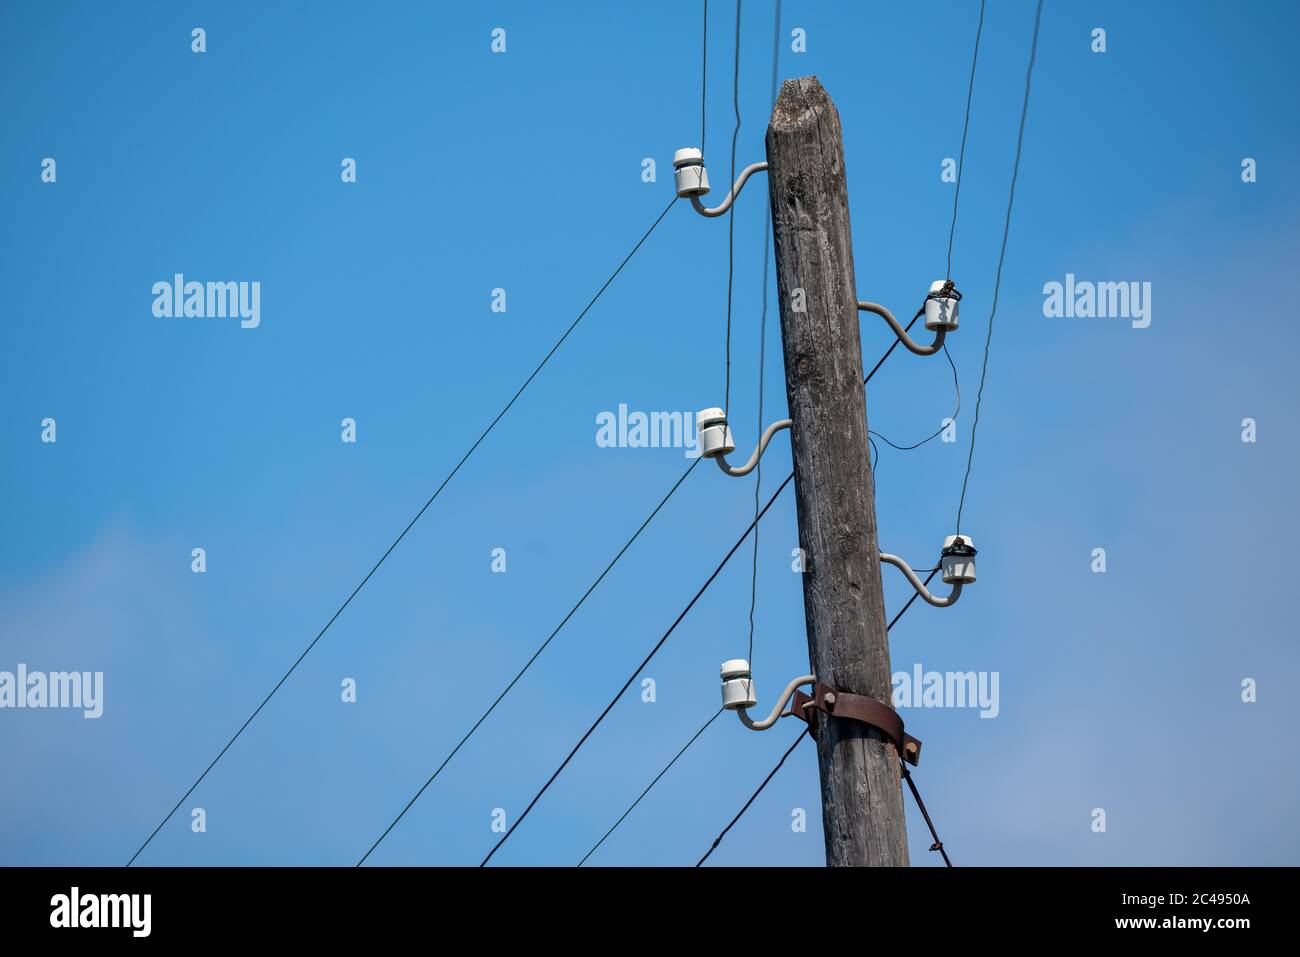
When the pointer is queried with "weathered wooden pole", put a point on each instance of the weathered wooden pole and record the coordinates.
(862, 798)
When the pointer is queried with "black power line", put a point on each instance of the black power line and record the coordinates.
(632, 677)
(438, 491)
(934, 435)
(631, 807)
(731, 213)
(762, 344)
(529, 663)
(915, 595)
(704, 75)
(952, 231)
(752, 798)
(894, 345)
(938, 844)
(965, 127)
(997, 282)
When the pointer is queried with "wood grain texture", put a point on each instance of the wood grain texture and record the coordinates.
(844, 606)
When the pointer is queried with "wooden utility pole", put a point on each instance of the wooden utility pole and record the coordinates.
(862, 798)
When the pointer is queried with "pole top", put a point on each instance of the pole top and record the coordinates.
(801, 97)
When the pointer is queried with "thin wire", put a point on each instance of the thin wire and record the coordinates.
(704, 75)
(762, 347)
(915, 595)
(965, 126)
(938, 844)
(653, 651)
(410, 525)
(952, 418)
(890, 351)
(731, 212)
(633, 805)
(753, 797)
(952, 227)
(997, 282)
(529, 663)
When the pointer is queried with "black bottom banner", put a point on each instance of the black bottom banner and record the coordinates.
(100, 905)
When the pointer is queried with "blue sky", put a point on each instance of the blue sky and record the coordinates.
(522, 171)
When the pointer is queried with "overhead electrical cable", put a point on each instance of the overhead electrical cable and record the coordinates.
(1002, 253)
(397, 541)
(529, 663)
(762, 343)
(632, 677)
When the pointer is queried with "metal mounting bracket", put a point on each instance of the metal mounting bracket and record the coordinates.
(855, 707)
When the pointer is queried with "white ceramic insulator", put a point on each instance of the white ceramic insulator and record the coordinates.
(714, 433)
(940, 313)
(689, 175)
(958, 569)
(737, 685)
